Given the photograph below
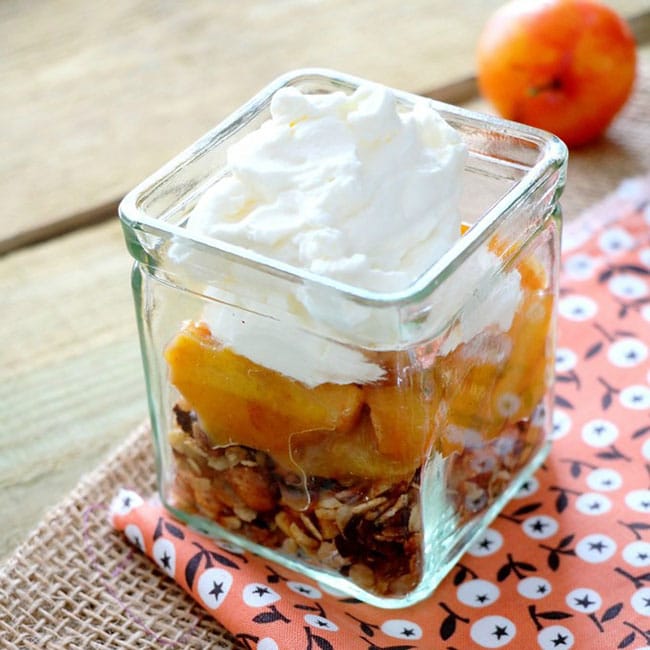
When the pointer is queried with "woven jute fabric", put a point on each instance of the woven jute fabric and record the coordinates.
(75, 583)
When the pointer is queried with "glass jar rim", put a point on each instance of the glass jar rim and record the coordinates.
(551, 160)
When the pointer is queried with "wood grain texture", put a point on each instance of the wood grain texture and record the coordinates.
(71, 382)
(96, 95)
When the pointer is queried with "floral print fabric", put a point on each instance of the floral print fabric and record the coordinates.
(566, 564)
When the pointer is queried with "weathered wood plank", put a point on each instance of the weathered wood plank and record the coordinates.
(71, 382)
(95, 96)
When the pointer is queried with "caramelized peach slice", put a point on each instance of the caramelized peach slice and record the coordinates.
(403, 417)
(533, 274)
(469, 388)
(527, 370)
(355, 453)
(486, 397)
(238, 401)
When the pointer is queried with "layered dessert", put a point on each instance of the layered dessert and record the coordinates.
(324, 428)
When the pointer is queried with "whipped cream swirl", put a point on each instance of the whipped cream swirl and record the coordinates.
(355, 187)
(347, 186)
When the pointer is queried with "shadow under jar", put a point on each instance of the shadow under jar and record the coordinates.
(375, 489)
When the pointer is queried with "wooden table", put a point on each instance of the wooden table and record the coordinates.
(95, 96)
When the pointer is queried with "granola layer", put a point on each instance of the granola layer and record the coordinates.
(366, 529)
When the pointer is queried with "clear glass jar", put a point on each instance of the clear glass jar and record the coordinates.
(374, 489)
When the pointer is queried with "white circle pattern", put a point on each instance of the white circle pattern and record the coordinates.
(565, 359)
(527, 488)
(321, 623)
(641, 601)
(645, 449)
(593, 504)
(644, 256)
(638, 500)
(627, 353)
(637, 553)
(534, 587)
(595, 548)
(635, 397)
(256, 594)
(615, 240)
(488, 543)
(399, 628)
(477, 593)
(604, 479)
(164, 555)
(493, 631)
(599, 433)
(213, 587)
(627, 286)
(561, 424)
(540, 526)
(584, 600)
(577, 308)
(579, 266)
(555, 636)
(134, 535)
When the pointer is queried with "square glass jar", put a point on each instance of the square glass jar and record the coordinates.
(375, 489)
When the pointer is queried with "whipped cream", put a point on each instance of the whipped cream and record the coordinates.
(345, 186)
(352, 187)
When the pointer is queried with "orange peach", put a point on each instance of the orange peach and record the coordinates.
(566, 66)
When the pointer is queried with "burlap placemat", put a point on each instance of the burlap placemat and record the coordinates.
(60, 588)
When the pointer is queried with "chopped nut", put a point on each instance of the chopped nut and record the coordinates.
(231, 523)
(289, 546)
(402, 502)
(498, 483)
(329, 555)
(373, 504)
(362, 575)
(343, 516)
(325, 514)
(309, 525)
(415, 521)
(403, 585)
(283, 522)
(329, 503)
(194, 466)
(252, 487)
(328, 528)
(235, 455)
(218, 463)
(244, 513)
(346, 495)
(302, 539)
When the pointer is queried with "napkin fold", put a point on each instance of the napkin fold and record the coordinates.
(566, 564)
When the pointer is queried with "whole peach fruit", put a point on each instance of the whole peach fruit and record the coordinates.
(566, 66)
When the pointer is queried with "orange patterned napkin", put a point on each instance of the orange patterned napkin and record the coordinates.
(567, 564)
